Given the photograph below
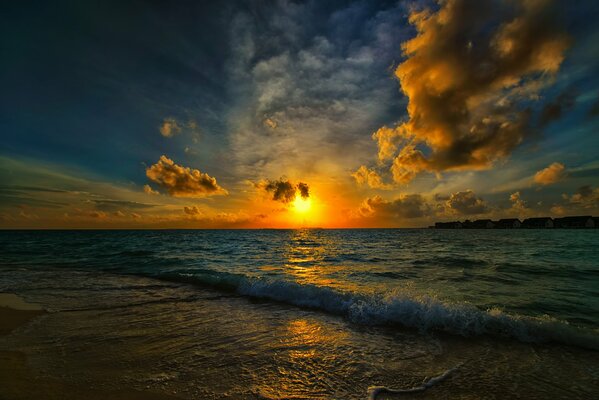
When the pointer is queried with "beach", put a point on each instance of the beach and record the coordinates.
(109, 333)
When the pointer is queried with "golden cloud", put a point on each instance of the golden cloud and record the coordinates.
(148, 190)
(467, 72)
(272, 124)
(370, 177)
(183, 181)
(405, 206)
(586, 196)
(170, 127)
(193, 210)
(519, 205)
(552, 174)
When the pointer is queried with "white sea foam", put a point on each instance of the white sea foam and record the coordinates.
(374, 391)
(399, 308)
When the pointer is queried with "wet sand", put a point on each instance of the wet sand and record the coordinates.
(19, 382)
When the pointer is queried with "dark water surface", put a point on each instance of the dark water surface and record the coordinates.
(312, 313)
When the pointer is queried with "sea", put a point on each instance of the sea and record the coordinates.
(312, 313)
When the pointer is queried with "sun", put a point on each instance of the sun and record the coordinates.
(302, 205)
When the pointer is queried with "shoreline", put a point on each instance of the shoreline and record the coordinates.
(116, 352)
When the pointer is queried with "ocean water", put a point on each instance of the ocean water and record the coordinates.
(313, 313)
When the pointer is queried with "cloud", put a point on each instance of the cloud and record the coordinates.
(405, 206)
(310, 93)
(558, 210)
(113, 205)
(469, 75)
(370, 177)
(552, 174)
(182, 181)
(170, 127)
(283, 190)
(193, 210)
(304, 190)
(519, 206)
(586, 196)
(148, 190)
(270, 123)
(25, 215)
(78, 213)
(466, 203)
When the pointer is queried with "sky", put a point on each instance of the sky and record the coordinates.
(287, 114)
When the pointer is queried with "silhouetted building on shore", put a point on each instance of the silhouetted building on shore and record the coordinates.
(483, 224)
(448, 225)
(508, 223)
(537, 223)
(576, 222)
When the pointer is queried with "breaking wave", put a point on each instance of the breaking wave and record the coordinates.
(397, 308)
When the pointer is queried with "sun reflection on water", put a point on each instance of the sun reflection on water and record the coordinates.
(308, 257)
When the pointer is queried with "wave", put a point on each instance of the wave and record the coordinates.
(397, 308)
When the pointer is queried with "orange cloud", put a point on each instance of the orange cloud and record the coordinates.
(405, 206)
(586, 196)
(467, 72)
(552, 174)
(370, 177)
(170, 127)
(183, 181)
(272, 124)
(519, 205)
(193, 210)
(148, 190)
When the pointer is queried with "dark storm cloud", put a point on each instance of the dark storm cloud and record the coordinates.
(304, 190)
(469, 74)
(466, 203)
(284, 190)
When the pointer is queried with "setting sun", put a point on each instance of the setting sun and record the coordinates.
(302, 205)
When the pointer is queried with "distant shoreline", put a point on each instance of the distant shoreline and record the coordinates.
(571, 222)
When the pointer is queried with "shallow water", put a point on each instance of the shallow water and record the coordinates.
(192, 312)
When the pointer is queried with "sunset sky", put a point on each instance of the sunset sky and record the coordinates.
(275, 114)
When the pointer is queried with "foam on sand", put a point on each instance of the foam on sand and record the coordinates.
(374, 391)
